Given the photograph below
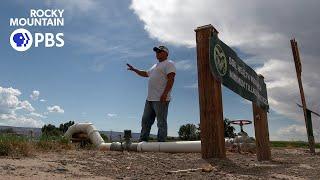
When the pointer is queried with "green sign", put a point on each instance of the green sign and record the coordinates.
(228, 68)
(309, 123)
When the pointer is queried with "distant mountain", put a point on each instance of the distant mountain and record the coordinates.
(112, 135)
(26, 131)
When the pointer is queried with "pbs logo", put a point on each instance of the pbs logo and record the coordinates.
(21, 39)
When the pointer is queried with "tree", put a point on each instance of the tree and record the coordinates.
(50, 130)
(192, 132)
(64, 127)
(228, 129)
(188, 132)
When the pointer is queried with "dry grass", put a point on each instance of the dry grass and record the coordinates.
(17, 146)
(12, 145)
(53, 143)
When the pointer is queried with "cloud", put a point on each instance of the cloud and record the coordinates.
(260, 29)
(183, 65)
(38, 115)
(35, 95)
(293, 132)
(9, 101)
(283, 88)
(254, 25)
(55, 109)
(26, 106)
(20, 120)
(42, 100)
(11, 106)
(112, 115)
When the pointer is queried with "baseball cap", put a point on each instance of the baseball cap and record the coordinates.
(161, 48)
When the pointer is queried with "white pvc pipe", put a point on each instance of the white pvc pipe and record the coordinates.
(173, 147)
(92, 133)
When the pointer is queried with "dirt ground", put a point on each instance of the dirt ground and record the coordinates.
(91, 164)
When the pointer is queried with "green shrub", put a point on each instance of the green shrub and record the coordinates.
(292, 144)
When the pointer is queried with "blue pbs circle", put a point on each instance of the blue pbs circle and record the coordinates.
(21, 39)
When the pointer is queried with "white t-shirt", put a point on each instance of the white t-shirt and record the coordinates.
(158, 79)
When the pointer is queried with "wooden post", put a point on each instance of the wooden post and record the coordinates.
(261, 129)
(210, 99)
(297, 62)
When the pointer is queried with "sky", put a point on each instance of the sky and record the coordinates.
(86, 80)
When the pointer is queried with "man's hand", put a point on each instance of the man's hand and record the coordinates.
(130, 68)
(163, 98)
(139, 72)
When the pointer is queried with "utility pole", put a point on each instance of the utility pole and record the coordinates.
(297, 62)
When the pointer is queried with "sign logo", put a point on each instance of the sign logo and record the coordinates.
(21, 39)
(220, 60)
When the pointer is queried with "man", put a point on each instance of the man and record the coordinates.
(161, 78)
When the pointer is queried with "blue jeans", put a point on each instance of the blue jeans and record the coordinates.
(153, 109)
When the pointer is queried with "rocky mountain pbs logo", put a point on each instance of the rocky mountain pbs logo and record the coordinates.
(21, 39)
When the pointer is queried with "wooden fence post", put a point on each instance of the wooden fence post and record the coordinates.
(210, 99)
(260, 118)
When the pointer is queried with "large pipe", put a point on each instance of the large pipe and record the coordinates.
(92, 133)
(174, 147)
